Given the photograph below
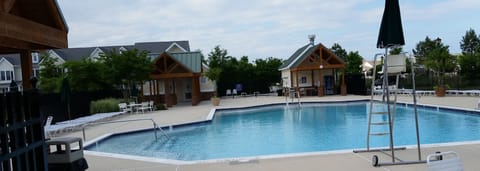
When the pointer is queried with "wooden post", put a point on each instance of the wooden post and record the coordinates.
(320, 84)
(343, 86)
(195, 90)
(27, 71)
(168, 100)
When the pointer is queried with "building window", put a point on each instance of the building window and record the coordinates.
(6, 75)
(203, 80)
(303, 80)
(35, 57)
(2, 75)
(36, 72)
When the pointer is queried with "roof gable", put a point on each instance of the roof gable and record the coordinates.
(312, 55)
(4, 61)
(190, 62)
(12, 59)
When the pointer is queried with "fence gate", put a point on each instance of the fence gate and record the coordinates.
(22, 145)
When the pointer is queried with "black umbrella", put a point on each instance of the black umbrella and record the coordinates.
(65, 95)
(391, 35)
(391, 32)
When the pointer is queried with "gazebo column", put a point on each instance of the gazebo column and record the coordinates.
(27, 71)
(320, 84)
(343, 86)
(297, 88)
(195, 90)
(168, 98)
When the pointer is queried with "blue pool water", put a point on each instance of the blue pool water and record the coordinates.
(281, 130)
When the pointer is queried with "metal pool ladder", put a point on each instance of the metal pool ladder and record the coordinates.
(156, 128)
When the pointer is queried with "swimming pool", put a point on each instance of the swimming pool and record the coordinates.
(278, 129)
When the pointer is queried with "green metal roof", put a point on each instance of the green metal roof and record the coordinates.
(300, 56)
(297, 57)
(191, 60)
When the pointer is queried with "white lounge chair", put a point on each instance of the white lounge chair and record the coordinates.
(229, 92)
(445, 161)
(48, 123)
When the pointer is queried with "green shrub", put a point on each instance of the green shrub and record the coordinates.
(161, 106)
(104, 106)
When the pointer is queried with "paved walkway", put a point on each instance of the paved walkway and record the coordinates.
(184, 113)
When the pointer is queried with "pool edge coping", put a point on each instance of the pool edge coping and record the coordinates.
(211, 116)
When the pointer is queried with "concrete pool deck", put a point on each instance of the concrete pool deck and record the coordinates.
(346, 160)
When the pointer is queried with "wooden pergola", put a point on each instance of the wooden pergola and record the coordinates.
(319, 59)
(167, 69)
(27, 26)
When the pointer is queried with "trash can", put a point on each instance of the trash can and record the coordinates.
(66, 153)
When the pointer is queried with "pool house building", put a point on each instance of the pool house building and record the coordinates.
(312, 71)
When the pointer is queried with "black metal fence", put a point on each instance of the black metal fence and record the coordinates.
(52, 105)
(22, 145)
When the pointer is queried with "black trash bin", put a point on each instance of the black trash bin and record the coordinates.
(66, 154)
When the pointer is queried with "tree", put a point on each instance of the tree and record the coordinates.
(87, 75)
(353, 63)
(396, 51)
(216, 59)
(423, 48)
(50, 74)
(469, 61)
(440, 61)
(127, 69)
(339, 51)
(470, 42)
(267, 73)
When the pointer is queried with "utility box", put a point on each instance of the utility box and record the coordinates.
(66, 153)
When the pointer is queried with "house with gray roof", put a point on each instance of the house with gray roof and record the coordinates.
(182, 79)
(312, 70)
(11, 70)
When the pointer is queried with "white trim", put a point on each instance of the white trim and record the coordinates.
(96, 51)
(3, 59)
(54, 54)
(175, 44)
(296, 58)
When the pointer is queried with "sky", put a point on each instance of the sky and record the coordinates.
(264, 28)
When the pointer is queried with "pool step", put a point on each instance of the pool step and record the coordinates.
(380, 113)
(379, 134)
(379, 123)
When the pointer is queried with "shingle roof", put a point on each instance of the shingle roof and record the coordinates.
(74, 54)
(159, 47)
(14, 59)
(191, 60)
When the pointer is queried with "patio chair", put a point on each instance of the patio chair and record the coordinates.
(234, 93)
(229, 92)
(145, 106)
(124, 107)
(445, 161)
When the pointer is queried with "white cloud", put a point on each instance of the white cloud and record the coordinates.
(258, 29)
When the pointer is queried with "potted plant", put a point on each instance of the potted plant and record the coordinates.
(214, 74)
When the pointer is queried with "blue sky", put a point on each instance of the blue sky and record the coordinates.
(261, 29)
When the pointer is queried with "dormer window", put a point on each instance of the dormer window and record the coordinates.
(35, 57)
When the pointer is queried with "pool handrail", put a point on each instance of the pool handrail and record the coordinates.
(155, 126)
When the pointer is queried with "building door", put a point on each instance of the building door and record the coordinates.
(328, 84)
(188, 89)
